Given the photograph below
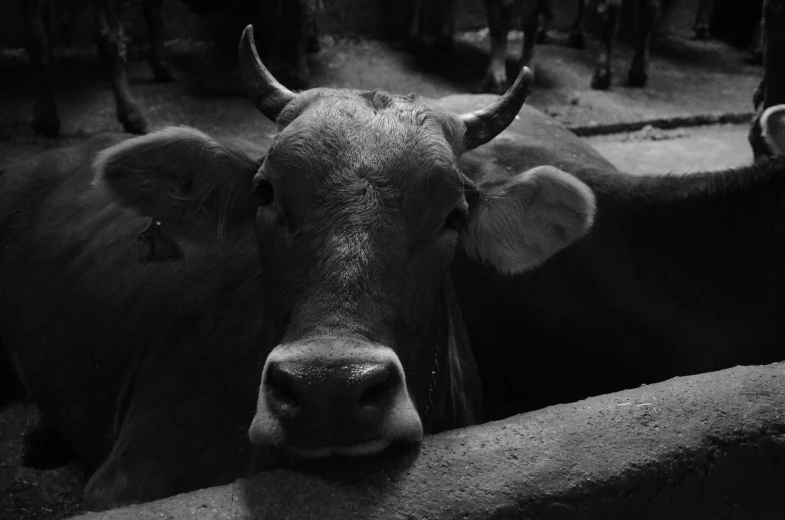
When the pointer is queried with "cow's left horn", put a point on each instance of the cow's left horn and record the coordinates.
(485, 124)
(267, 94)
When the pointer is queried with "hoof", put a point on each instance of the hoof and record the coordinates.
(47, 127)
(753, 57)
(491, 85)
(163, 73)
(701, 32)
(601, 80)
(444, 43)
(637, 79)
(313, 45)
(134, 123)
(577, 40)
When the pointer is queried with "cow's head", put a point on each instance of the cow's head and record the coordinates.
(359, 207)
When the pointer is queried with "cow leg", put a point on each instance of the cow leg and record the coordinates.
(530, 14)
(45, 119)
(703, 19)
(499, 15)
(577, 40)
(312, 44)
(446, 16)
(546, 17)
(647, 14)
(609, 18)
(111, 42)
(772, 88)
(153, 14)
(754, 54)
(44, 446)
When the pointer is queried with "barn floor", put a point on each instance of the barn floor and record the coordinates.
(687, 78)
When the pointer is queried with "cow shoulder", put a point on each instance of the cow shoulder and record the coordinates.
(195, 185)
(518, 223)
(772, 124)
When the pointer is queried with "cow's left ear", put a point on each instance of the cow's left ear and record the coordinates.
(772, 123)
(197, 187)
(520, 223)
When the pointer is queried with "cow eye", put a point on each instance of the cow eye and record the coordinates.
(264, 191)
(456, 220)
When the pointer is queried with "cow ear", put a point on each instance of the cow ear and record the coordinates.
(772, 123)
(520, 223)
(197, 187)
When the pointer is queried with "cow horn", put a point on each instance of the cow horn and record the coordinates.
(267, 94)
(486, 123)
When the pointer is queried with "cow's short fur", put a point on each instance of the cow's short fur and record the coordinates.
(155, 372)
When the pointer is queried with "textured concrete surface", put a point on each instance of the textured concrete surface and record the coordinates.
(706, 446)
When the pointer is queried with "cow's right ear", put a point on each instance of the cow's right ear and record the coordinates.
(772, 123)
(517, 224)
(197, 187)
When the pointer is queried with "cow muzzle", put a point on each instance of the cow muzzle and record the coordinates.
(334, 397)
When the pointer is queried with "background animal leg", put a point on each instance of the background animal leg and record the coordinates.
(546, 17)
(577, 38)
(445, 39)
(754, 53)
(111, 43)
(608, 11)
(648, 10)
(702, 24)
(530, 21)
(499, 15)
(45, 119)
(153, 14)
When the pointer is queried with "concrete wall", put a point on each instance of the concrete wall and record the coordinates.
(706, 446)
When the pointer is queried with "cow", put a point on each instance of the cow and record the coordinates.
(183, 311)
(289, 33)
(500, 15)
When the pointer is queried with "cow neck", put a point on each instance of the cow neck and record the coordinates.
(438, 373)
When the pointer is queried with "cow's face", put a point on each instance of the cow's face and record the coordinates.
(359, 208)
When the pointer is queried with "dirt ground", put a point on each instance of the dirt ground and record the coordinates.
(688, 77)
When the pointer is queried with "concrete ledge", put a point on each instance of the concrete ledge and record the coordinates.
(706, 446)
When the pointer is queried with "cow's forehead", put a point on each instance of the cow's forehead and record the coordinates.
(393, 142)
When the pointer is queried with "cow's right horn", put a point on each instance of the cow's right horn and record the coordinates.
(267, 94)
(485, 124)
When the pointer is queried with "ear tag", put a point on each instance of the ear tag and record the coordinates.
(155, 247)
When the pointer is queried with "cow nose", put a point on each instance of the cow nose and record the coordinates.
(359, 389)
(328, 399)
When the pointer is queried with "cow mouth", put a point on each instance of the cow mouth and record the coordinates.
(360, 449)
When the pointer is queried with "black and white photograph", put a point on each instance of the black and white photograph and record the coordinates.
(392, 259)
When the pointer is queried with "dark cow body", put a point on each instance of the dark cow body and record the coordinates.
(535, 19)
(312, 313)
(679, 275)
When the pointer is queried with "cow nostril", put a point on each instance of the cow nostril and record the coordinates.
(378, 392)
(281, 394)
